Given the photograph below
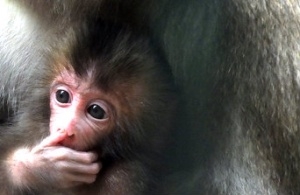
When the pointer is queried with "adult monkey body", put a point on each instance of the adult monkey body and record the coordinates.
(264, 83)
(240, 60)
(103, 70)
(246, 134)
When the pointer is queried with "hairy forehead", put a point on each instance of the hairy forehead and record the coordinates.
(70, 78)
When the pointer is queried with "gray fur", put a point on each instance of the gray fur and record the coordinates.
(237, 64)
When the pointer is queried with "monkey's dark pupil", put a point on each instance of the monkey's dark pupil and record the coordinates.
(96, 111)
(62, 96)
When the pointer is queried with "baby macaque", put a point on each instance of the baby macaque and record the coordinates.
(107, 98)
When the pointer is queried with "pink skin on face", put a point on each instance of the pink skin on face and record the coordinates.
(78, 110)
(80, 117)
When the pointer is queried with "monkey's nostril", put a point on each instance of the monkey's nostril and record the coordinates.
(71, 136)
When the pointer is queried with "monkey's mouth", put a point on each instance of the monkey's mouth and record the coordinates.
(69, 142)
(72, 144)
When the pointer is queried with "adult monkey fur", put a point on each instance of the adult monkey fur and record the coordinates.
(126, 69)
(237, 65)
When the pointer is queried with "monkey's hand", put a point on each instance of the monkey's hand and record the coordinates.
(49, 164)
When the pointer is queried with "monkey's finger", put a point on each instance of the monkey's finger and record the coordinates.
(80, 174)
(82, 157)
(77, 168)
(67, 181)
(92, 169)
(53, 139)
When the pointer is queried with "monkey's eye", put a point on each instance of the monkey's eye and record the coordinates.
(96, 111)
(62, 96)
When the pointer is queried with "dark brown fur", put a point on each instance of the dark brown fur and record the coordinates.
(236, 63)
(121, 59)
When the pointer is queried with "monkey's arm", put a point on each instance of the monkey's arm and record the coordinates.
(49, 165)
